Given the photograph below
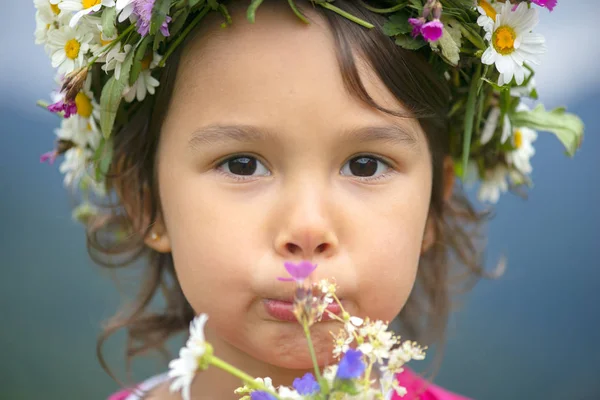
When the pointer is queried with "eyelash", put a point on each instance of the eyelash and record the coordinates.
(241, 178)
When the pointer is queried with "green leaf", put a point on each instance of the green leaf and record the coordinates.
(410, 43)
(136, 67)
(566, 126)
(158, 39)
(193, 3)
(179, 20)
(345, 386)
(110, 99)
(469, 119)
(213, 4)
(397, 24)
(251, 12)
(109, 19)
(159, 15)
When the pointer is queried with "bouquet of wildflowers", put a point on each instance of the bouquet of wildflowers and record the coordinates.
(370, 355)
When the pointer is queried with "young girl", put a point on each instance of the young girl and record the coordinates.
(326, 138)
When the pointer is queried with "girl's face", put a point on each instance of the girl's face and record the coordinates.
(264, 158)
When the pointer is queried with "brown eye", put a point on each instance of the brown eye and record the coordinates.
(364, 167)
(244, 166)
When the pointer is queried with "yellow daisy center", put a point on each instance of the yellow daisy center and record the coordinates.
(72, 48)
(518, 139)
(84, 105)
(503, 39)
(55, 8)
(103, 41)
(146, 61)
(90, 3)
(489, 10)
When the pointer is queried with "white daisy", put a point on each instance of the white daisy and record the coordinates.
(47, 18)
(124, 9)
(74, 165)
(114, 59)
(511, 41)
(494, 183)
(79, 131)
(184, 368)
(523, 139)
(68, 48)
(145, 83)
(83, 7)
(491, 123)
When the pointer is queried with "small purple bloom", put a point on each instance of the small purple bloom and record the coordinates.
(549, 4)
(49, 157)
(416, 23)
(432, 30)
(143, 10)
(351, 366)
(69, 108)
(260, 395)
(299, 272)
(306, 385)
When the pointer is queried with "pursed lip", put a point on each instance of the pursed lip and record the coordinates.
(283, 310)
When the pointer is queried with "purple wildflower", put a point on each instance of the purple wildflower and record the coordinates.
(351, 366)
(306, 385)
(299, 272)
(143, 10)
(260, 395)
(49, 157)
(416, 23)
(69, 108)
(549, 4)
(432, 30)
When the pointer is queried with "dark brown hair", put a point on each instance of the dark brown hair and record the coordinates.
(452, 263)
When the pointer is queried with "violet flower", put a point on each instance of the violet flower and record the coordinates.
(351, 366)
(299, 272)
(143, 10)
(306, 385)
(69, 108)
(549, 4)
(260, 395)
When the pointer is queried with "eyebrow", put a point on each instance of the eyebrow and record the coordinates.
(221, 134)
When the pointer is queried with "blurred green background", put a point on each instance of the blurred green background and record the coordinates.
(533, 334)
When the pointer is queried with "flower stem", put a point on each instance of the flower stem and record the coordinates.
(111, 44)
(313, 356)
(225, 366)
(395, 8)
(346, 15)
(183, 35)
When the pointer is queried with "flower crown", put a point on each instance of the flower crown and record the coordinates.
(109, 54)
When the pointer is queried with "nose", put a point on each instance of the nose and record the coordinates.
(306, 229)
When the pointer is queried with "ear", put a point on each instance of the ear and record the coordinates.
(138, 203)
(449, 179)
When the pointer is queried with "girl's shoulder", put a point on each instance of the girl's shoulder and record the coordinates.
(420, 389)
(141, 390)
(417, 387)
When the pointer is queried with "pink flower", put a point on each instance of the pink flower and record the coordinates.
(549, 4)
(49, 157)
(416, 23)
(299, 272)
(69, 108)
(432, 30)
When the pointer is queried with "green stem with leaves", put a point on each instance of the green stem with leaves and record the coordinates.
(183, 35)
(247, 379)
(313, 356)
(344, 14)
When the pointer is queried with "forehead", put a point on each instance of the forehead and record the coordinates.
(278, 69)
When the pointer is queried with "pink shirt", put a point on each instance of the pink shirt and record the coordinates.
(417, 387)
